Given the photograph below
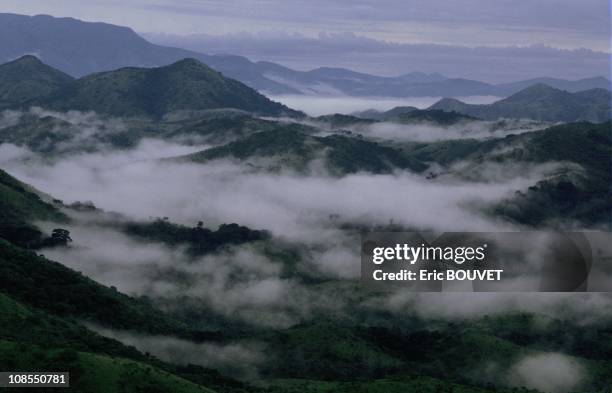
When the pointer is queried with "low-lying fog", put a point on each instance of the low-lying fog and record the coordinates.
(424, 132)
(295, 208)
(325, 105)
(135, 183)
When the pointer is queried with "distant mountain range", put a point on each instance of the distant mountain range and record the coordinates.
(539, 102)
(80, 48)
(135, 92)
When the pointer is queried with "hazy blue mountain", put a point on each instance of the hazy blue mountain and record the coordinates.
(331, 80)
(81, 48)
(562, 84)
(455, 87)
(422, 77)
(327, 80)
(539, 102)
(152, 92)
(27, 78)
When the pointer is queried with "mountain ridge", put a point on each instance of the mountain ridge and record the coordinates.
(96, 46)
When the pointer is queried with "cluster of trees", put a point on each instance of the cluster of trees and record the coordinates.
(199, 240)
(28, 236)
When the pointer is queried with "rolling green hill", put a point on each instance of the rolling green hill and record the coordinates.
(573, 194)
(153, 92)
(539, 102)
(27, 79)
(290, 148)
(226, 127)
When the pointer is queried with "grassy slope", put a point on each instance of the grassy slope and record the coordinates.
(19, 204)
(94, 373)
(48, 285)
(416, 384)
(28, 325)
(32, 339)
(457, 352)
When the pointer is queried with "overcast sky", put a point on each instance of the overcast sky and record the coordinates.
(561, 23)
(253, 28)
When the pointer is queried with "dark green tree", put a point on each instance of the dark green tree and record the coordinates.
(60, 236)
